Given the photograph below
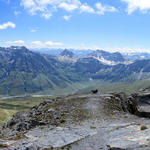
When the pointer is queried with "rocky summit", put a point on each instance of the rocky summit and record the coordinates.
(87, 121)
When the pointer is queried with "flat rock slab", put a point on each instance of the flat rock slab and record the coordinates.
(129, 137)
(58, 137)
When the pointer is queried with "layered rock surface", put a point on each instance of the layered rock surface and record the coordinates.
(78, 122)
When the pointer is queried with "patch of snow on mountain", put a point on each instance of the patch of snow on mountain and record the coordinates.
(143, 57)
(111, 63)
(104, 61)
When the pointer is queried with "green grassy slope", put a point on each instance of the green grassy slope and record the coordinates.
(10, 106)
(127, 87)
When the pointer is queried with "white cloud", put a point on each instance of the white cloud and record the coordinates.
(18, 42)
(32, 6)
(86, 8)
(50, 43)
(46, 15)
(33, 30)
(142, 5)
(101, 9)
(68, 7)
(16, 13)
(6, 25)
(47, 44)
(46, 8)
(28, 3)
(66, 17)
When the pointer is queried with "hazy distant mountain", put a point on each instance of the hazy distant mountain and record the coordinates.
(84, 53)
(107, 58)
(107, 55)
(136, 56)
(67, 53)
(102, 56)
(67, 56)
(56, 52)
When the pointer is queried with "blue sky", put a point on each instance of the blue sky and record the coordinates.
(114, 25)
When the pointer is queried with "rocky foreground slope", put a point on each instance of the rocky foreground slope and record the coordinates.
(79, 122)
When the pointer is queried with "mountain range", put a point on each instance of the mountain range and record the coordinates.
(132, 56)
(24, 71)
